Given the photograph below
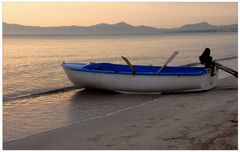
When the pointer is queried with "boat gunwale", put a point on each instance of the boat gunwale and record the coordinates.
(202, 72)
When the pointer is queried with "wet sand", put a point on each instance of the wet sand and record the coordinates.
(193, 120)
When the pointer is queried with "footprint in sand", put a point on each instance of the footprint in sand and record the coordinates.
(125, 139)
(94, 139)
(151, 118)
(148, 126)
(134, 126)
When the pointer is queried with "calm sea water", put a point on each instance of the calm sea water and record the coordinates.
(31, 64)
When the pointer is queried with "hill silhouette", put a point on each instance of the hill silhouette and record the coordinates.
(121, 28)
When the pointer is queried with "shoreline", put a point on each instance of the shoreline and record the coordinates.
(190, 120)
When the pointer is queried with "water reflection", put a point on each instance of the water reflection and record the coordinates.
(90, 103)
(34, 115)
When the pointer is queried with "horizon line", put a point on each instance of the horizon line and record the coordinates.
(119, 23)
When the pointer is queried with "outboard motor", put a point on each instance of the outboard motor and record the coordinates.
(207, 60)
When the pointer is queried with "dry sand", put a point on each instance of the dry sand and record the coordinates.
(197, 120)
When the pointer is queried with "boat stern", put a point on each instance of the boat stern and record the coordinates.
(209, 81)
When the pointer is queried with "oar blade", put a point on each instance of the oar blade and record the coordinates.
(226, 69)
(169, 60)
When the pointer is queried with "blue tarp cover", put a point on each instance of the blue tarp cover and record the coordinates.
(109, 68)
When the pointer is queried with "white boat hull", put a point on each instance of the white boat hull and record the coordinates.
(140, 83)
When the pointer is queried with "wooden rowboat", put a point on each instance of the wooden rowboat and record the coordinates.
(117, 77)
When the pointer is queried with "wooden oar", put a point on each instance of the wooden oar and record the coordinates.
(226, 69)
(130, 65)
(169, 60)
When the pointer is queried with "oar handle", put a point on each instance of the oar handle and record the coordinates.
(130, 65)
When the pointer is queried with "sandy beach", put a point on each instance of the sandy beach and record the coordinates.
(190, 120)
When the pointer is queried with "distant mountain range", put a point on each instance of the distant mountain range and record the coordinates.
(121, 28)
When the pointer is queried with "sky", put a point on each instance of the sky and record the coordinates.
(158, 14)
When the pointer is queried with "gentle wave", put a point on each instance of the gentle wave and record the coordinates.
(24, 96)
